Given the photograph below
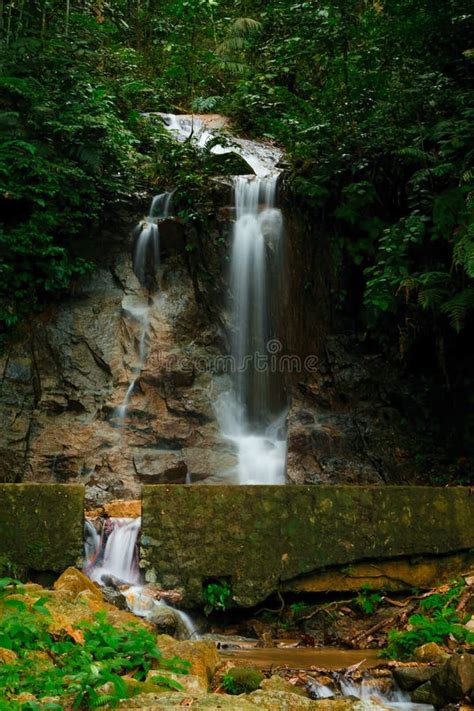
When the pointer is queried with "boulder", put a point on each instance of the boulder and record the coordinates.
(115, 597)
(455, 681)
(192, 684)
(168, 621)
(278, 683)
(178, 699)
(73, 582)
(430, 652)
(202, 655)
(425, 694)
(7, 656)
(244, 679)
(286, 701)
(410, 677)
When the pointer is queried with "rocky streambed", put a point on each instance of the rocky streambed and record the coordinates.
(227, 671)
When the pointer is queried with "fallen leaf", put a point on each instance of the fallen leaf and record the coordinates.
(76, 634)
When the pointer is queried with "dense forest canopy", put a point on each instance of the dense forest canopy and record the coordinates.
(369, 98)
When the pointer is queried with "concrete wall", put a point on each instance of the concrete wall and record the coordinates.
(41, 525)
(262, 537)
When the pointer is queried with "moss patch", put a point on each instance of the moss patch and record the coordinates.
(41, 525)
(261, 536)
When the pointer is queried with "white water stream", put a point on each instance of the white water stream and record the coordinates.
(369, 692)
(114, 554)
(146, 260)
(252, 415)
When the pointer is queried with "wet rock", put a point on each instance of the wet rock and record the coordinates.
(430, 652)
(202, 655)
(115, 597)
(425, 694)
(167, 621)
(123, 509)
(7, 656)
(455, 681)
(158, 467)
(73, 582)
(410, 677)
(278, 683)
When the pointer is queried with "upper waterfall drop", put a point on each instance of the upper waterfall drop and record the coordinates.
(146, 251)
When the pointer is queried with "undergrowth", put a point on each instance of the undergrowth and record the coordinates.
(82, 667)
(437, 620)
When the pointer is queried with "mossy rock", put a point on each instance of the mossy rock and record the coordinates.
(41, 525)
(242, 680)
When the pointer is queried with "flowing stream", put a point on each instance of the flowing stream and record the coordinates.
(112, 556)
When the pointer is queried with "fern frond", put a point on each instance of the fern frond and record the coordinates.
(245, 25)
(234, 43)
(463, 254)
(457, 308)
(415, 154)
(103, 700)
(431, 298)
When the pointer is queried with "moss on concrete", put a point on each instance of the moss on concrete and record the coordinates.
(260, 536)
(41, 525)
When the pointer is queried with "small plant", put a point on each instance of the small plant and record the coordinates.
(242, 680)
(297, 607)
(439, 628)
(368, 600)
(438, 622)
(216, 594)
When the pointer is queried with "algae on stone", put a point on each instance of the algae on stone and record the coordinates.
(41, 525)
(263, 536)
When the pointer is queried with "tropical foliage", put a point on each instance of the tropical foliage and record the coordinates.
(370, 99)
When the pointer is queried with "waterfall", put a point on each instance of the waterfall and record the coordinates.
(253, 414)
(119, 557)
(146, 260)
(111, 558)
(146, 252)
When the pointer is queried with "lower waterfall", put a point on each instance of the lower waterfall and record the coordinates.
(253, 415)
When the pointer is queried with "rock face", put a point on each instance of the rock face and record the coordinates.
(41, 527)
(65, 375)
(64, 382)
(259, 538)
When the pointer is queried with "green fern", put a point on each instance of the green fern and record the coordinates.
(458, 307)
(104, 700)
(231, 51)
(415, 154)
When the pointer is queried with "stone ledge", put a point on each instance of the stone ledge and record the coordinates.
(42, 525)
(262, 536)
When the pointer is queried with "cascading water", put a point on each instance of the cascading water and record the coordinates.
(146, 260)
(119, 557)
(253, 414)
(113, 556)
(146, 252)
(368, 691)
